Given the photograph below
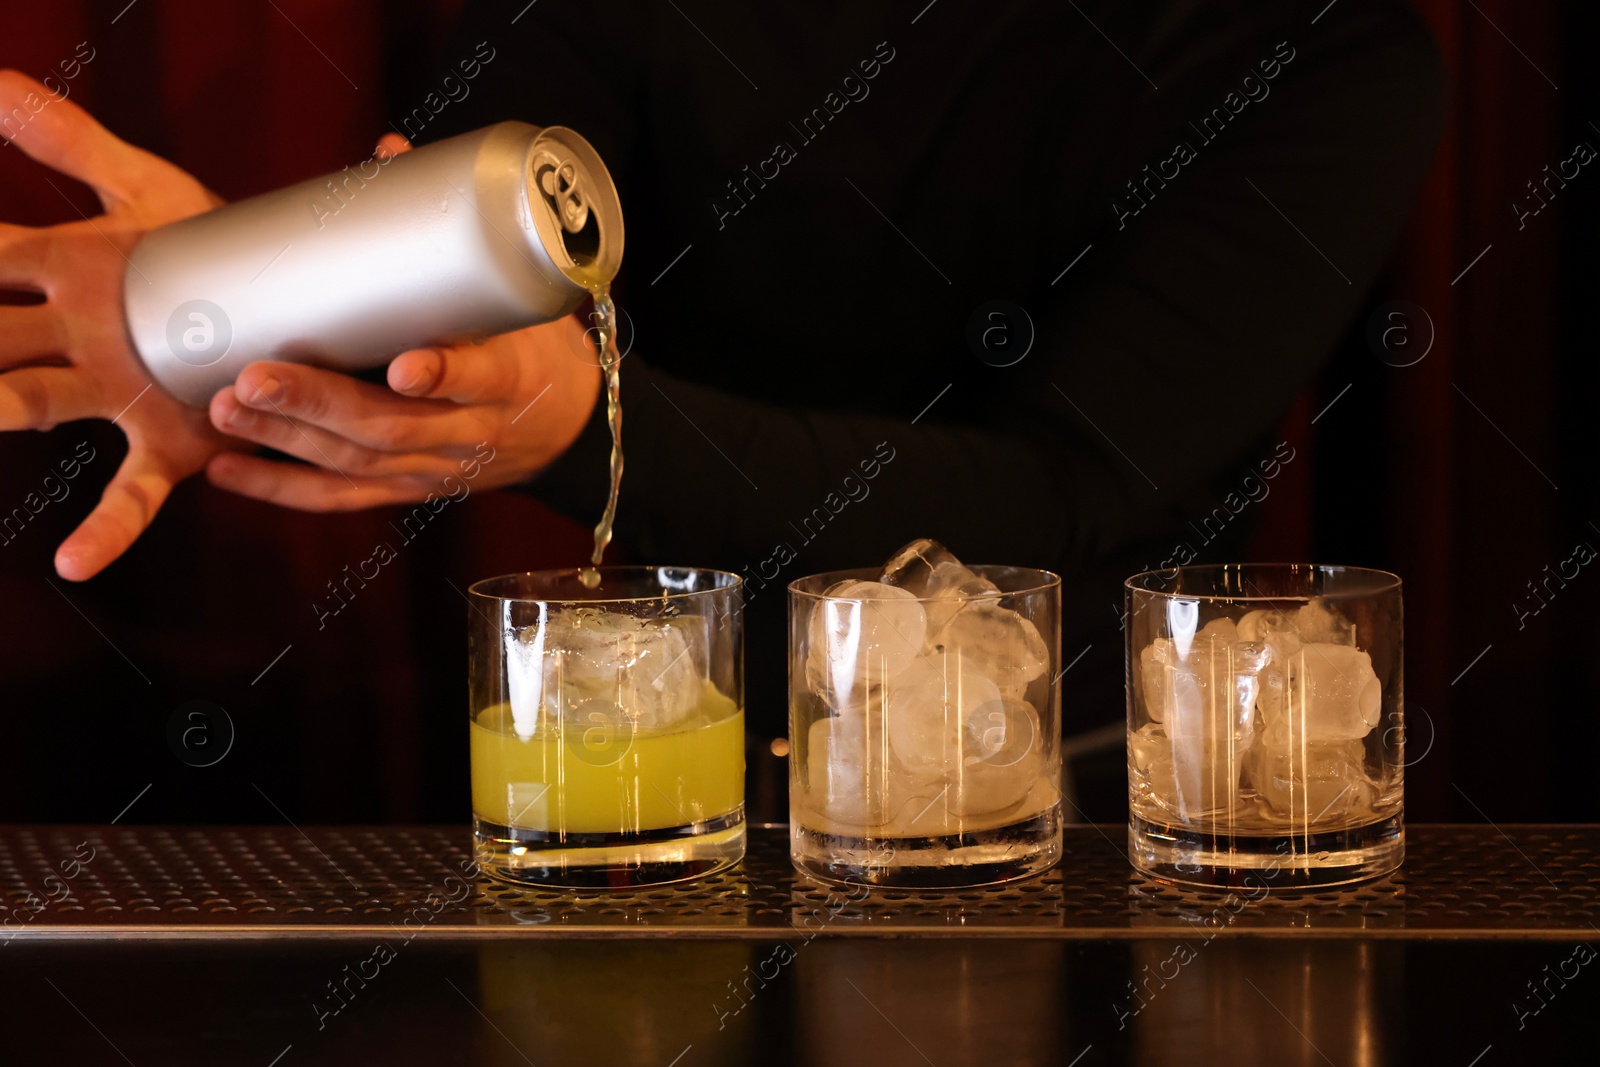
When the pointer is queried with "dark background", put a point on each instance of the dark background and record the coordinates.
(1468, 472)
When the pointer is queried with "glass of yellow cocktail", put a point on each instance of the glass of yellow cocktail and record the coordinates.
(607, 725)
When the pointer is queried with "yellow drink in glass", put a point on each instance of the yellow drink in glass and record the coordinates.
(606, 778)
(607, 725)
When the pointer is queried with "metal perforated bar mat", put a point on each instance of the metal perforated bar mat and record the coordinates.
(98, 882)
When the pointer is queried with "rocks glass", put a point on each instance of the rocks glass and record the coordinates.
(924, 723)
(1265, 724)
(607, 725)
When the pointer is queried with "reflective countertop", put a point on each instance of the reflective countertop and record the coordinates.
(368, 944)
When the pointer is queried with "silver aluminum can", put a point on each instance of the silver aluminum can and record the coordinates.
(505, 227)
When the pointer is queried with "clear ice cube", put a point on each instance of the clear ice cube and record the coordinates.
(1313, 621)
(1258, 625)
(927, 710)
(999, 642)
(1003, 758)
(697, 632)
(1150, 768)
(847, 770)
(1201, 692)
(1185, 777)
(929, 571)
(588, 658)
(1220, 630)
(1322, 692)
(1317, 622)
(1209, 689)
(863, 634)
(1313, 783)
(853, 777)
(925, 568)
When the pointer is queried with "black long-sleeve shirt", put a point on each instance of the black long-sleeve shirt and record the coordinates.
(1188, 199)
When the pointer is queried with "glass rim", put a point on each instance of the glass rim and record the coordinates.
(1051, 580)
(1389, 581)
(477, 589)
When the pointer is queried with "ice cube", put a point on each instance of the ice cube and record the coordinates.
(1206, 772)
(1211, 689)
(925, 568)
(1313, 783)
(1003, 758)
(847, 770)
(1220, 630)
(585, 657)
(853, 778)
(1317, 622)
(1281, 647)
(1202, 699)
(697, 632)
(1183, 777)
(998, 641)
(912, 567)
(1312, 621)
(927, 710)
(951, 579)
(1258, 625)
(1322, 692)
(1021, 693)
(1150, 774)
(931, 572)
(1292, 639)
(861, 635)
(1154, 659)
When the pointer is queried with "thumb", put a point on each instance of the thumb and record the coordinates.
(127, 507)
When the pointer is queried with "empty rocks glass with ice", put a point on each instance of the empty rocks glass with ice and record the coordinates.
(1265, 724)
(924, 719)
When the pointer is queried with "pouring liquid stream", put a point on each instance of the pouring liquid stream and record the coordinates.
(605, 320)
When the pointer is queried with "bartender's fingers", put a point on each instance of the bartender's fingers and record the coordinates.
(369, 415)
(37, 398)
(391, 145)
(21, 254)
(462, 374)
(276, 429)
(61, 135)
(126, 508)
(30, 332)
(311, 488)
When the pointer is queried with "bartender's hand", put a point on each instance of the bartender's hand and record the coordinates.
(497, 412)
(69, 358)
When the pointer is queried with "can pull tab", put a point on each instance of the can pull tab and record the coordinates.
(561, 188)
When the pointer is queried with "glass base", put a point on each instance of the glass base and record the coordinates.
(1276, 861)
(609, 861)
(981, 857)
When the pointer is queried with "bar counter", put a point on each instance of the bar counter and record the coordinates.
(273, 946)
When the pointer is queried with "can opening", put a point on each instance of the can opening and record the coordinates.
(566, 195)
(579, 220)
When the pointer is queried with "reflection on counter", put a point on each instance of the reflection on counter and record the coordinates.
(1303, 1003)
(932, 1002)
